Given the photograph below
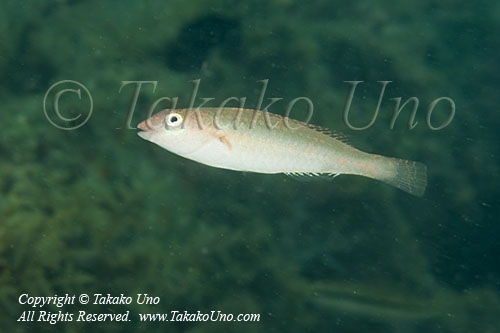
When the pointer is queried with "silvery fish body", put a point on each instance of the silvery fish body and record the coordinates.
(256, 141)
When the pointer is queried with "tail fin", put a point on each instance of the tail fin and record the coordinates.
(409, 176)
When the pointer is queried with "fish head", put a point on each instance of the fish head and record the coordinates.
(179, 131)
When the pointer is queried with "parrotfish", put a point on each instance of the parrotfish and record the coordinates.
(259, 141)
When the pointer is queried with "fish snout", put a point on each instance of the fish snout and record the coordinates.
(153, 123)
(143, 125)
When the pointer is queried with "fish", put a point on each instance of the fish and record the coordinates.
(258, 141)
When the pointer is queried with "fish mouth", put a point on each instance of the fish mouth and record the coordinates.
(143, 126)
(145, 130)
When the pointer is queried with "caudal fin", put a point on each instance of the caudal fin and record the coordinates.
(409, 176)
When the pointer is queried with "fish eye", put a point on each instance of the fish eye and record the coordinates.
(173, 120)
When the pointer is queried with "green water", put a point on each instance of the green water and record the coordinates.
(87, 207)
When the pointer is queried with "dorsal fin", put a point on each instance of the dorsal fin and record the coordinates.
(326, 131)
(334, 134)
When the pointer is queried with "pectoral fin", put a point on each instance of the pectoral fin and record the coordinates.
(225, 141)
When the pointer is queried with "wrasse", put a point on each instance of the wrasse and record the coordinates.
(256, 141)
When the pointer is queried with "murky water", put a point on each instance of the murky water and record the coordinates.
(101, 230)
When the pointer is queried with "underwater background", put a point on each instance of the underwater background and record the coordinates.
(96, 209)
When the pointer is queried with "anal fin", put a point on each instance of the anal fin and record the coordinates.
(311, 176)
